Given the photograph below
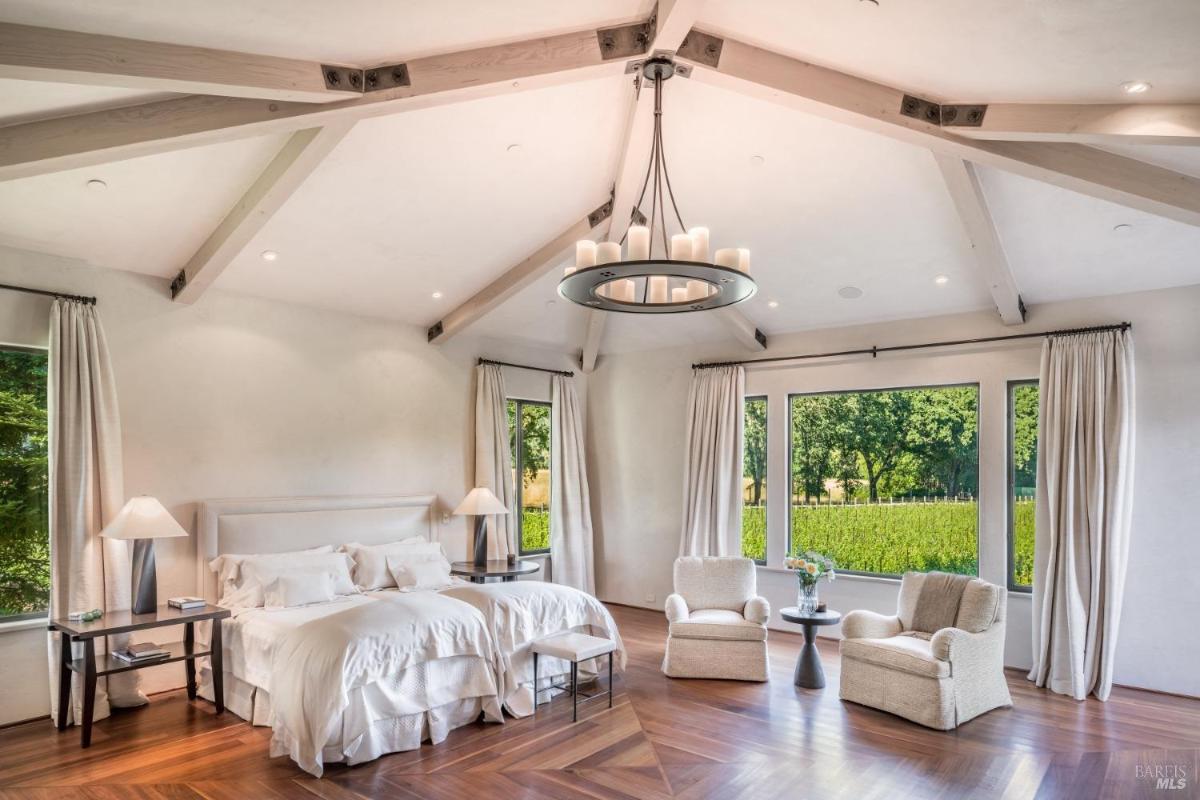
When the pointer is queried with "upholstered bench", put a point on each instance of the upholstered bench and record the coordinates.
(573, 647)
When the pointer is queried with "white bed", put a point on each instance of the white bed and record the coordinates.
(350, 680)
(455, 655)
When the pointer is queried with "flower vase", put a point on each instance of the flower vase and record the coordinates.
(807, 598)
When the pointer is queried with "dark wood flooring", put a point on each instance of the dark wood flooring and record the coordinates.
(663, 738)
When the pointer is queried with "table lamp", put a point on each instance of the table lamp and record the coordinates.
(143, 519)
(480, 503)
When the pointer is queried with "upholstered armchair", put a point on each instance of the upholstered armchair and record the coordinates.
(718, 623)
(940, 678)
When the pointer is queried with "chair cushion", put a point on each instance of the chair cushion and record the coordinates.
(716, 623)
(905, 653)
(707, 582)
(574, 646)
(980, 606)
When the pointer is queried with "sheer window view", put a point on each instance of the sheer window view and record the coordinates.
(24, 537)
(754, 466)
(529, 438)
(1023, 428)
(886, 481)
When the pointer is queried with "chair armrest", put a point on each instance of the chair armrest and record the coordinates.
(757, 610)
(863, 624)
(957, 645)
(676, 608)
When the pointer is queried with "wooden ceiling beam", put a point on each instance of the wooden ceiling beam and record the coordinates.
(99, 137)
(46, 54)
(521, 275)
(592, 339)
(743, 329)
(296, 160)
(1089, 124)
(963, 185)
(878, 108)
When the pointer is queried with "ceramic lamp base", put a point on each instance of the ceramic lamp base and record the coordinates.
(145, 584)
(481, 541)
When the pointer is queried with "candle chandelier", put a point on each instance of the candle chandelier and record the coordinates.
(682, 278)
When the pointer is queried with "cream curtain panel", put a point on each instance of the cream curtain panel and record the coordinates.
(570, 503)
(712, 506)
(86, 571)
(493, 459)
(1084, 505)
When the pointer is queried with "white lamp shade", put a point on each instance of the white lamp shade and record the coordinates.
(479, 502)
(143, 518)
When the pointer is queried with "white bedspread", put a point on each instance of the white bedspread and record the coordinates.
(520, 612)
(315, 666)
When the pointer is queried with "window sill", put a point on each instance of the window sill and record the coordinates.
(24, 624)
(841, 576)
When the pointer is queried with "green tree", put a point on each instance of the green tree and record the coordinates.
(1025, 435)
(754, 437)
(879, 433)
(24, 537)
(943, 438)
(535, 437)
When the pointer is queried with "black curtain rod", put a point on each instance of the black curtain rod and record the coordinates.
(523, 366)
(91, 301)
(874, 351)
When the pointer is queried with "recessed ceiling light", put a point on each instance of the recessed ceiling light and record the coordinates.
(850, 292)
(96, 183)
(513, 148)
(772, 304)
(1136, 87)
(436, 295)
(1122, 229)
(757, 160)
(269, 255)
(941, 280)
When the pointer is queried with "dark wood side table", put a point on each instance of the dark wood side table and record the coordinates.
(495, 568)
(91, 667)
(809, 674)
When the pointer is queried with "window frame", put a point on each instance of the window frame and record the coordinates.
(518, 506)
(1010, 481)
(787, 544)
(18, 621)
(766, 483)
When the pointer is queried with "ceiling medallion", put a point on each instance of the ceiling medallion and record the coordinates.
(681, 278)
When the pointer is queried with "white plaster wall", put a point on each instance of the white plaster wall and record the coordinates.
(636, 463)
(241, 397)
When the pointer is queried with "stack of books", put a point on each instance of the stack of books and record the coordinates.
(141, 653)
(184, 603)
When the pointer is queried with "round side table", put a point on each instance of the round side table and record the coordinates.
(809, 674)
(495, 568)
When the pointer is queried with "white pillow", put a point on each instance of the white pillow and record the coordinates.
(264, 569)
(229, 566)
(370, 561)
(418, 573)
(300, 587)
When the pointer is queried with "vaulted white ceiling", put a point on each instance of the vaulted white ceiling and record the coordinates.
(440, 200)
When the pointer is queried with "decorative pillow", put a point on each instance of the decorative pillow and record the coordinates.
(419, 573)
(299, 587)
(229, 566)
(370, 561)
(264, 569)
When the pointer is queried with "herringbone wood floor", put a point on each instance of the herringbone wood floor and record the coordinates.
(664, 738)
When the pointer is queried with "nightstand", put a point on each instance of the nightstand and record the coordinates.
(91, 667)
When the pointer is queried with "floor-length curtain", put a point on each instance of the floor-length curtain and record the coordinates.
(1084, 506)
(86, 570)
(493, 458)
(712, 505)
(570, 503)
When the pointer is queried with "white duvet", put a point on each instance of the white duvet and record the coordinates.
(316, 665)
(520, 612)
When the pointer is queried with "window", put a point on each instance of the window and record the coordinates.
(886, 481)
(24, 505)
(529, 438)
(754, 474)
(1022, 478)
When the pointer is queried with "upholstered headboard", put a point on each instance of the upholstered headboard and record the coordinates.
(277, 524)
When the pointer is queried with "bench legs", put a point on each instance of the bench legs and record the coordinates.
(574, 687)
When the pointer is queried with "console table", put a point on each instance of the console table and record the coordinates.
(92, 667)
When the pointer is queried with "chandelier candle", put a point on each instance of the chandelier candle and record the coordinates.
(679, 277)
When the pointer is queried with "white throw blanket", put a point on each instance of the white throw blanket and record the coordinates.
(518, 613)
(317, 665)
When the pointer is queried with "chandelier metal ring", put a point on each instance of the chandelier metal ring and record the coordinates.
(727, 285)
